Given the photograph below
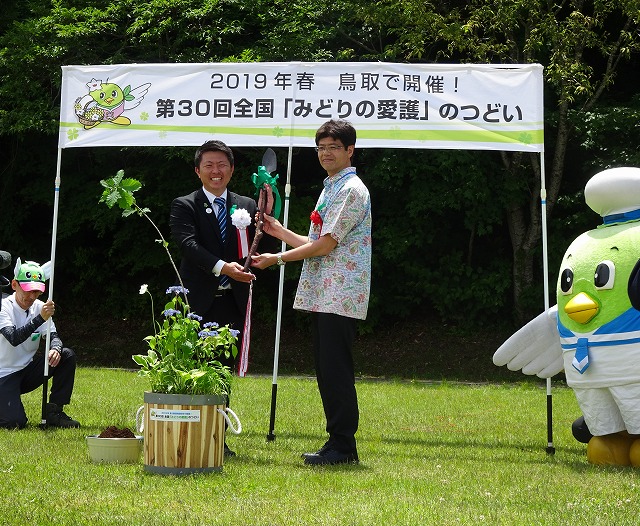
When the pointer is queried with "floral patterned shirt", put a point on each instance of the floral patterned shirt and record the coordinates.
(339, 282)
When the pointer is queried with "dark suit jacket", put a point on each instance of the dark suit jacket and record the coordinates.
(197, 233)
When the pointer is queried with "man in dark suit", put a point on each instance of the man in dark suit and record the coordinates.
(201, 224)
(211, 266)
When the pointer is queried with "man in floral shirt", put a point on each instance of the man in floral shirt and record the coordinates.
(334, 284)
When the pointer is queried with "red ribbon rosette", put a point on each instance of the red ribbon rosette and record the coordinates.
(316, 220)
(315, 217)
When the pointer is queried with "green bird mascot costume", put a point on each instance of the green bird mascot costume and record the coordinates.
(593, 332)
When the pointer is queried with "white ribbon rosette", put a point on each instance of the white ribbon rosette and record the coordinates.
(241, 220)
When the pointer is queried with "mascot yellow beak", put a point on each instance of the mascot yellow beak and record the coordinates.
(581, 308)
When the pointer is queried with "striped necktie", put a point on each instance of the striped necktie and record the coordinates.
(221, 216)
(222, 221)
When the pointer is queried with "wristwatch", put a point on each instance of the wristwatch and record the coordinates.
(280, 262)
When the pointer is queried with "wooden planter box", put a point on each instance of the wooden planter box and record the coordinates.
(183, 434)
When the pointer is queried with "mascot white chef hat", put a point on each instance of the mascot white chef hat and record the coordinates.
(615, 194)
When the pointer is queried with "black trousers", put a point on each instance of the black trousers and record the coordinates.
(12, 413)
(333, 337)
(224, 310)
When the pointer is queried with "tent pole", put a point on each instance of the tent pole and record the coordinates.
(285, 222)
(545, 266)
(276, 353)
(54, 234)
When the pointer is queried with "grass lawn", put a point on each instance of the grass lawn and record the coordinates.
(431, 453)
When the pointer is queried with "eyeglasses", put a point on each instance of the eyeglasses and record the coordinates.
(332, 148)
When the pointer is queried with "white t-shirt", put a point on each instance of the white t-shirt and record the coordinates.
(12, 358)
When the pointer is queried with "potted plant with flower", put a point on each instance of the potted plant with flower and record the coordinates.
(183, 355)
(185, 411)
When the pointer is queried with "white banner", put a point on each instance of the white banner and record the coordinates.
(472, 107)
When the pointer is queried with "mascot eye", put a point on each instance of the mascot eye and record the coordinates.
(605, 275)
(566, 281)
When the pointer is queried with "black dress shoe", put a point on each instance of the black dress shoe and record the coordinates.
(228, 452)
(319, 452)
(330, 457)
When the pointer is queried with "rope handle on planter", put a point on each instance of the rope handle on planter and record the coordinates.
(223, 412)
(140, 419)
(235, 430)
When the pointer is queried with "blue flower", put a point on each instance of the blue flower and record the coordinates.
(206, 334)
(211, 324)
(170, 312)
(235, 333)
(194, 316)
(177, 289)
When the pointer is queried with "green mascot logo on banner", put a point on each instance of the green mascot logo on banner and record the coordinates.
(593, 332)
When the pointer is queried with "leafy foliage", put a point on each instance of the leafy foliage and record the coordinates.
(120, 191)
(436, 223)
(611, 135)
(183, 357)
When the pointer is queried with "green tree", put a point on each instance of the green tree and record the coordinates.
(583, 47)
(611, 134)
(439, 215)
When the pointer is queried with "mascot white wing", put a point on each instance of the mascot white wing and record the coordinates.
(535, 348)
(138, 94)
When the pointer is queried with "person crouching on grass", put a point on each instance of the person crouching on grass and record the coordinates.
(23, 324)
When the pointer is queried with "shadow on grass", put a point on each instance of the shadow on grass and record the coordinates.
(294, 457)
(439, 449)
(295, 462)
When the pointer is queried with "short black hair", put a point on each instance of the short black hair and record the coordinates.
(337, 129)
(213, 146)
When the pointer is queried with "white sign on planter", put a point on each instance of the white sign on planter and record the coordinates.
(175, 415)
